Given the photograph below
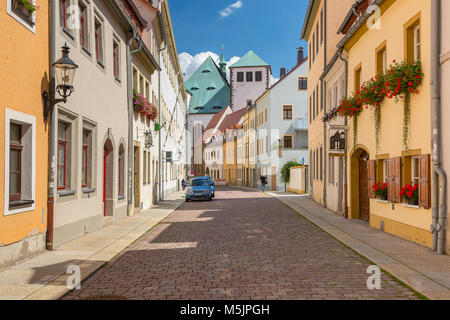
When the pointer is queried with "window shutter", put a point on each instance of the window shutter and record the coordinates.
(397, 178)
(424, 181)
(371, 173)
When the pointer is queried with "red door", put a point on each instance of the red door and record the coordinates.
(104, 182)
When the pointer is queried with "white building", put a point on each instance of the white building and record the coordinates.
(173, 101)
(282, 126)
(249, 78)
(334, 82)
(90, 158)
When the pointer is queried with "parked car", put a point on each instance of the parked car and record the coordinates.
(213, 186)
(199, 188)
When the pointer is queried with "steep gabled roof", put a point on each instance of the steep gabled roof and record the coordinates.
(232, 120)
(209, 88)
(281, 79)
(250, 59)
(215, 120)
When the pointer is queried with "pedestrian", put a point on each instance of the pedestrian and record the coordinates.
(263, 182)
(183, 184)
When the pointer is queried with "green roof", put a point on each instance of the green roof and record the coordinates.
(250, 59)
(209, 88)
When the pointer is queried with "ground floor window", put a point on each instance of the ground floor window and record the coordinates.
(20, 156)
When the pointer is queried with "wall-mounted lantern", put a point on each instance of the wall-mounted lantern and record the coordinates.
(65, 74)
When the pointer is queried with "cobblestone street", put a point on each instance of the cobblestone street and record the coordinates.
(241, 245)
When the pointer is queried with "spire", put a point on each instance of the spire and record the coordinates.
(223, 64)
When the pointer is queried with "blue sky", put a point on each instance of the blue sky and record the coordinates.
(271, 28)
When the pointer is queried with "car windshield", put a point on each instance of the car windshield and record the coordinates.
(199, 182)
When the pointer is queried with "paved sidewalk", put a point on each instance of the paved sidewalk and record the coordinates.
(44, 277)
(415, 265)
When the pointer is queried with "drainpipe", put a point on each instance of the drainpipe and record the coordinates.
(439, 178)
(161, 169)
(130, 118)
(345, 124)
(52, 128)
(323, 105)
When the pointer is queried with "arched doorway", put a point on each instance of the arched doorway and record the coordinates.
(108, 179)
(360, 202)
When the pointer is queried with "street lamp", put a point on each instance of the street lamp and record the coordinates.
(65, 73)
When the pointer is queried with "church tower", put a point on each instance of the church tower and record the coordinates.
(223, 65)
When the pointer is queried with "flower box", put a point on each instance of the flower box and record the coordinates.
(25, 9)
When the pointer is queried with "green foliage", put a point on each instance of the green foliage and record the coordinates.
(286, 172)
(27, 4)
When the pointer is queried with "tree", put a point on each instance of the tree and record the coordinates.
(286, 172)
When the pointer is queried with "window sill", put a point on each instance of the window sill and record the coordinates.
(101, 64)
(67, 32)
(118, 80)
(65, 193)
(88, 190)
(382, 201)
(410, 206)
(121, 197)
(87, 51)
(20, 203)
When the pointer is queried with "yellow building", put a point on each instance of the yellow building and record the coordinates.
(319, 30)
(397, 31)
(250, 147)
(24, 60)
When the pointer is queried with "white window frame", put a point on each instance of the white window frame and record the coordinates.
(19, 19)
(385, 171)
(25, 119)
(417, 42)
(415, 163)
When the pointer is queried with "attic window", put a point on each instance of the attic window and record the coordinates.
(211, 88)
(194, 88)
(198, 108)
(217, 107)
(206, 71)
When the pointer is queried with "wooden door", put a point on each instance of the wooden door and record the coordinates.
(273, 179)
(364, 203)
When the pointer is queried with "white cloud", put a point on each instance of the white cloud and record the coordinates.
(273, 80)
(189, 64)
(230, 9)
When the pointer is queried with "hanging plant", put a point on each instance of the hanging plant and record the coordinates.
(372, 94)
(350, 106)
(402, 80)
(333, 113)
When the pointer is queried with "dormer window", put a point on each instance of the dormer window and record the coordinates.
(198, 108)
(206, 71)
(217, 107)
(211, 88)
(194, 88)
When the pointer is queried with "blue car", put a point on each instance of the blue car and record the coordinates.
(212, 186)
(199, 188)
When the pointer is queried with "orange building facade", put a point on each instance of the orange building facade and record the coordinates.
(24, 75)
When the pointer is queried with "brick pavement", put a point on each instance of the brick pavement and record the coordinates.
(242, 245)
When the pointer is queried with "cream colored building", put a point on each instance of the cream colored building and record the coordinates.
(321, 23)
(445, 100)
(91, 129)
(399, 36)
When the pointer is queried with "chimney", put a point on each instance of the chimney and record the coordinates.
(299, 55)
(282, 72)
